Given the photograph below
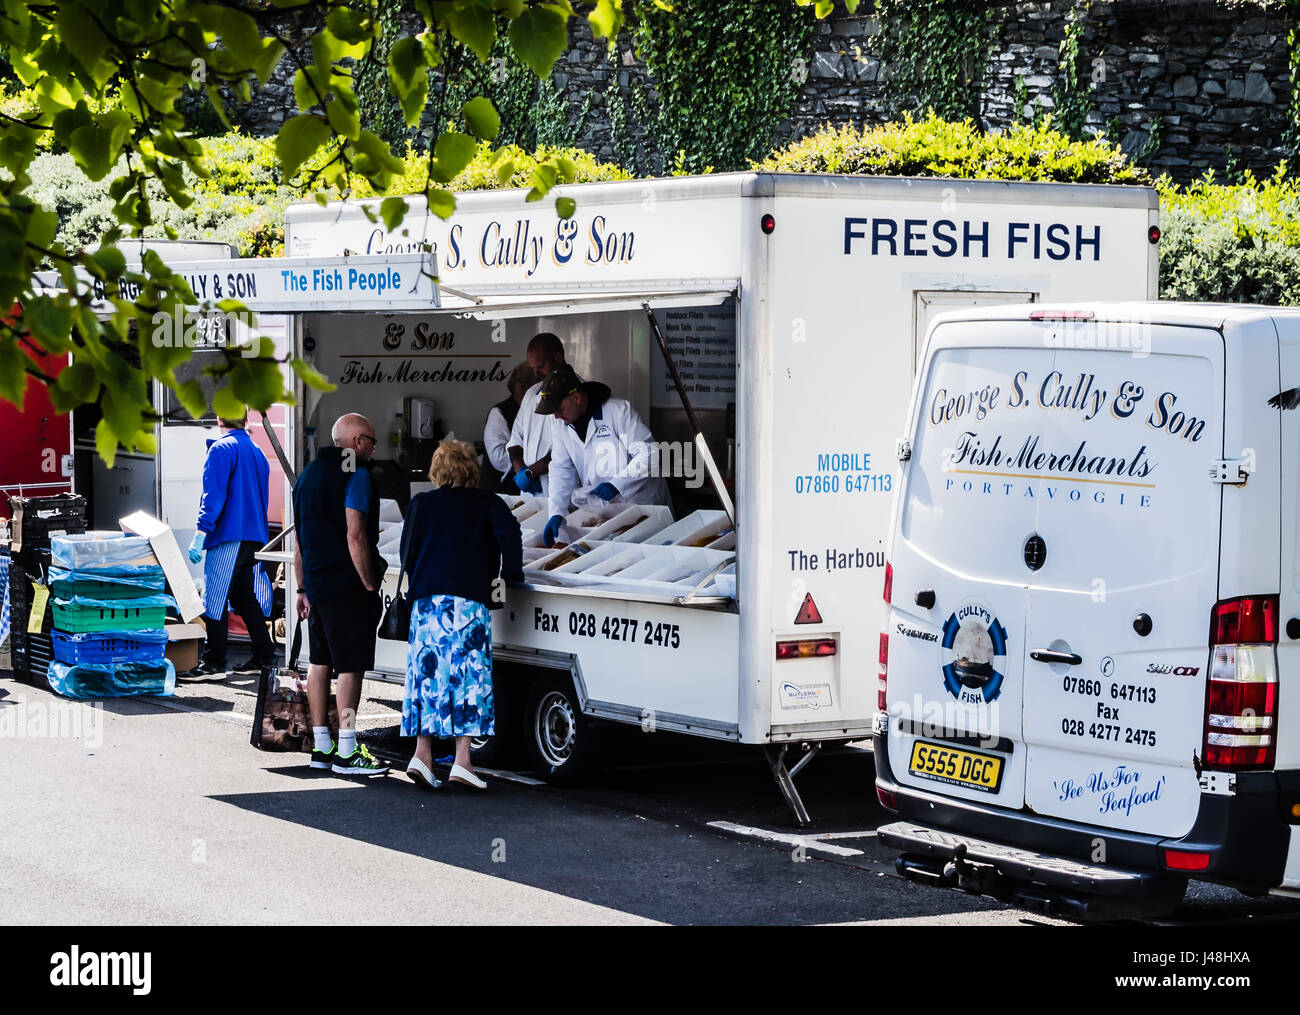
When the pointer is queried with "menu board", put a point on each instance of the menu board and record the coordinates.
(702, 342)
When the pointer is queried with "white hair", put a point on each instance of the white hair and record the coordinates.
(348, 421)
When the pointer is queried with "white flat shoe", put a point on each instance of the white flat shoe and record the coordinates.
(418, 772)
(466, 778)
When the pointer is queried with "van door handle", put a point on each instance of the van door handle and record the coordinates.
(1043, 655)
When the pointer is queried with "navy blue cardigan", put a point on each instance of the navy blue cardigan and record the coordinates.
(455, 541)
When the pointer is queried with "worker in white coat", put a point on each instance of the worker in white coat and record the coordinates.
(600, 448)
(496, 431)
(530, 436)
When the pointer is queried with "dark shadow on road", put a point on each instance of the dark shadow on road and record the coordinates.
(675, 874)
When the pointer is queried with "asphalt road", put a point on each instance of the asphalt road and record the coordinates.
(164, 814)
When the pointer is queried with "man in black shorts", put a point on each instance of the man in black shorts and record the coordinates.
(336, 514)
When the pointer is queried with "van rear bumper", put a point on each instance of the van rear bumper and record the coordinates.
(1243, 833)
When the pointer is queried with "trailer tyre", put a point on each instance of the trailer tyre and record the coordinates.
(562, 742)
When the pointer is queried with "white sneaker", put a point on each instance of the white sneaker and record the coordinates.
(466, 778)
(418, 772)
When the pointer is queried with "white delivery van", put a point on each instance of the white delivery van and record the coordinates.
(1094, 622)
(791, 308)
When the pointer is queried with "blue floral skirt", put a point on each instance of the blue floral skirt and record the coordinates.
(448, 669)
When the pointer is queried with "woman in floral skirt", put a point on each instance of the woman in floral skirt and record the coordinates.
(456, 541)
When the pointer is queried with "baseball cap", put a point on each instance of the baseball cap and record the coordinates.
(560, 383)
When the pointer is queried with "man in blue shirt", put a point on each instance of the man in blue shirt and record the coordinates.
(231, 529)
(336, 514)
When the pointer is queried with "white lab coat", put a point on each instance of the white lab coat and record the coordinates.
(617, 450)
(496, 438)
(531, 432)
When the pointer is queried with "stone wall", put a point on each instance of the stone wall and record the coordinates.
(1185, 85)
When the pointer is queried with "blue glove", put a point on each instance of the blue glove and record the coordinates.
(523, 482)
(196, 548)
(606, 491)
(552, 529)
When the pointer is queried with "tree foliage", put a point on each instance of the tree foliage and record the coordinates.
(151, 54)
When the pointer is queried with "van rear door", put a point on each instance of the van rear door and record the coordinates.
(1078, 456)
(1116, 640)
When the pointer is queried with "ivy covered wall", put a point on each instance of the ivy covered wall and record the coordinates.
(1184, 85)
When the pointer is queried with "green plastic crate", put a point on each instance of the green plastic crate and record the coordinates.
(78, 619)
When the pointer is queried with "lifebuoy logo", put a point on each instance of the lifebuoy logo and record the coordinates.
(974, 652)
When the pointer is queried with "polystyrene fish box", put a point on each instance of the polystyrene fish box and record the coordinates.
(579, 570)
(523, 506)
(697, 529)
(582, 522)
(670, 570)
(634, 524)
(557, 556)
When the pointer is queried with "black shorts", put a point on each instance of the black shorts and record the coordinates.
(342, 632)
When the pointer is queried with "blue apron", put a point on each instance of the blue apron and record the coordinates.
(218, 569)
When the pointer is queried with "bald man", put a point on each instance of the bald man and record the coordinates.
(336, 511)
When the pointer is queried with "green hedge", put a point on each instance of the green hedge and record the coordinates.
(935, 147)
(1236, 243)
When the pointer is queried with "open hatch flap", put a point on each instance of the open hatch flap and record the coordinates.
(509, 301)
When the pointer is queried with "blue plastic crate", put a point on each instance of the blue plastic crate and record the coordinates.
(110, 647)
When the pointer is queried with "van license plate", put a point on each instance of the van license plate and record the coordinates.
(956, 767)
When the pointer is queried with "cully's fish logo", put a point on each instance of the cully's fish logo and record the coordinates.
(974, 652)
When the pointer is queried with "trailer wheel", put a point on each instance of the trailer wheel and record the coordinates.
(561, 740)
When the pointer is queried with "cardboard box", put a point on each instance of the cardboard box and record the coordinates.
(183, 645)
(169, 556)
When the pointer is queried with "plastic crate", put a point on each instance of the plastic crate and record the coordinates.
(110, 647)
(114, 680)
(66, 584)
(31, 655)
(43, 516)
(78, 619)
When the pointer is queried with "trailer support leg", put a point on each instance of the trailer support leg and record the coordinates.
(785, 778)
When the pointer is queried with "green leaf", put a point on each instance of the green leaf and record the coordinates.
(565, 207)
(393, 210)
(824, 8)
(344, 112)
(408, 69)
(226, 404)
(111, 261)
(482, 118)
(298, 140)
(121, 412)
(257, 383)
(505, 170)
(476, 28)
(106, 442)
(267, 59)
(442, 203)
(48, 320)
(79, 381)
(190, 395)
(606, 19)
(349, 25)
(543, 178)
(451, 153)
(539, 37)
(311, 377)
(95, 147)
(13, 371)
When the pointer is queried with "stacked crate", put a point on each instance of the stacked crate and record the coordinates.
(109, 606)
(35, 521)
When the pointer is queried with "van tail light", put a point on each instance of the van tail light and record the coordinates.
(887, 799)
(882, 679)
(1061, 315)
(805, 648)
(889, 582)
(1241, 695)
(1182, 860)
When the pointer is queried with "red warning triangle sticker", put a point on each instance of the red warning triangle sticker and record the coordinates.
(808, 612)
